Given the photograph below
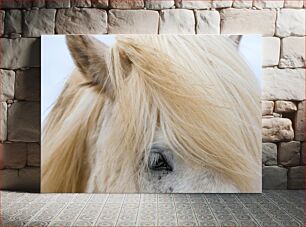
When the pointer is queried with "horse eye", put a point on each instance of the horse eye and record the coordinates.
(158, 162)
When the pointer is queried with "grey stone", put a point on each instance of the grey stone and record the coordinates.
(3, 121)
(299, 122)
(38, 3)
(242, 4)
(26, 179)
(80, 3)
(178, 21)
(55, 4)
(293, 52)
(13, 21)
(283, 84)
(33, 154)
(126, 4)
(14, 155)
(221, 3)
(296, 177)
(274, 177)
(277, 129)
(248, 21)
(159, 4)
(81, 21)
(38, 22)
(261, 4)
(7, 80)
(293, 3)
(24, 122)
(133, 21)
(290, 22)
(285, 106)
(20, 53)
(192, 4)
(303, 160)
(2, 15)
(208, 22)
(14, 36)
(277, 115)
(269, 154)
(289, 153)
(16, 4)
(99, 3)
(27, 85)
(267, 107)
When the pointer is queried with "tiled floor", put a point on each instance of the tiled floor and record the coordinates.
(271, 208)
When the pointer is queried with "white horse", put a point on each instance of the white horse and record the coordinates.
(168, 113)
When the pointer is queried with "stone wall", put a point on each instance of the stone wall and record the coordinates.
(281, 22)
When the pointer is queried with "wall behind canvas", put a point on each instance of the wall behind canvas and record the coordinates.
(281, 22)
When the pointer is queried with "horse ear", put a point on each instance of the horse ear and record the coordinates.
(91, 57)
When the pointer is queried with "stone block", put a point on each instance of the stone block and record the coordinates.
(7, 81)
(299, 122)
(277, 129)
(293, 3)
(296, 176)
(2, 15)
(38, 22)
(267, 107)
(27, 85)
(80, 3)
(25, 180)
(99, 3)
(133, 21)
(303, 160)
(178, 21)
(261, 4)
(271, 51)
(222, 3)
(3, 121)
(274, 177)
(248, 21)
(290, 22)
(24, 122)
(242, 4)
(20, 53)
(126, 4)
(14, 155)
(289, 153)
(16, 4)
(1, 155)
(33, 154)
(191, 4)
(293, 52)
(55, 4)
(13, 21)
(277, 115)
(38, 3)
(285, 106)
(208, 22)
(283, 84)
(159, 4)
(81, 21)
(269, 154)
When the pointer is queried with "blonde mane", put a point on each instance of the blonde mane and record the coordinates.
(196, 89)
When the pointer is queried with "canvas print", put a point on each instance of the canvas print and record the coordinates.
(151, 114)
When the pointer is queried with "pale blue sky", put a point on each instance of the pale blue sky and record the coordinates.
(57, 64)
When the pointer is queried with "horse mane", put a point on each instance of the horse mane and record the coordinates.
(197, 89)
